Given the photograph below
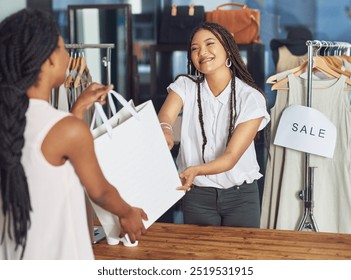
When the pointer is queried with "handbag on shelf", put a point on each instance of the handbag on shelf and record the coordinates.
(134, 157)
(178, 22)
(243, 23)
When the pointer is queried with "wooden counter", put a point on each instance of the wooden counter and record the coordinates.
(164, 241)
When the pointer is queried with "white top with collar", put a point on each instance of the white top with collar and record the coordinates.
(250, 105)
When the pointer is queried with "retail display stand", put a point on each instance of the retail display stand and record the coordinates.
(308, 220)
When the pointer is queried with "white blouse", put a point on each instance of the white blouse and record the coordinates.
(250, 104)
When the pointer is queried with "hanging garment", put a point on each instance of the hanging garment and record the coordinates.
(78, 78)
(275, 162)
(347, 66)
(332, 177)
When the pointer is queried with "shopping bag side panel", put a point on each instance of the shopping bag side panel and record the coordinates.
(138, 163)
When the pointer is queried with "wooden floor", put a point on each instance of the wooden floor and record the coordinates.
(164, 241)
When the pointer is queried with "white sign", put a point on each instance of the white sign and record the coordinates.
(306, 129)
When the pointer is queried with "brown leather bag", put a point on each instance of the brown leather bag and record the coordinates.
(243, 23)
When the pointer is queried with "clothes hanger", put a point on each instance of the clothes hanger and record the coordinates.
(81, 68)
(334, 61)
(336, 64)
(296, 71)
(341, 50)
(69, 63)
(279, 85)
(273, 79)
(319, 64)
(73, 70)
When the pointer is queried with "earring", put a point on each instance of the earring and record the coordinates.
(197, 74)
(228, 62)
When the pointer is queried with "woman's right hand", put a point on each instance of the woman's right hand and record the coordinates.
(94, 93)
(187, 177)
(132, 223)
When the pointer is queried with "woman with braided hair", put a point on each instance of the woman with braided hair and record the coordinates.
(46, 155)
(222, 110)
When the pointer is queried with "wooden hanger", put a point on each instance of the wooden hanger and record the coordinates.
(319, 64)
(296, 71)
(70, 63)
(82, 65)
(273, 79)
(336, 64)
(346, 57)
(73, 70)
(335, 61)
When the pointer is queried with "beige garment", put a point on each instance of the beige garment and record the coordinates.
(287, 60)
(332, 177)
(275, 162)
(347, 66)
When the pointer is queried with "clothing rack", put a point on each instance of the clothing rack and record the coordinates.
(106, 60)
(308, 220)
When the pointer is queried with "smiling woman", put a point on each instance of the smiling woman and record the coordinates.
(222, 111)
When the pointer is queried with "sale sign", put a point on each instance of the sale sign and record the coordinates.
(306, 129)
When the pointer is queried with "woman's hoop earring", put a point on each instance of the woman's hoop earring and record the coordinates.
(228, 62)
(197, 73)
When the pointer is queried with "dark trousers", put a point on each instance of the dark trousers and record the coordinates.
(238, 206)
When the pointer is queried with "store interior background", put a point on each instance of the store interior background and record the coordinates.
(328, 20)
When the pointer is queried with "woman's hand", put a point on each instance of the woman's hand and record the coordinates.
(187, 177)
(94, 93)
(132, 223)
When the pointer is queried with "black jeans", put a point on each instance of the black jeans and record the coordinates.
(238, 206)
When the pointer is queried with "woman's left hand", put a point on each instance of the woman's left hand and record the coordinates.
(187, 177)
(94, 93)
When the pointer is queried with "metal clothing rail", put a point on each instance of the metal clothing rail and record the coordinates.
(338, 48)
(92, 46)
(106, 60)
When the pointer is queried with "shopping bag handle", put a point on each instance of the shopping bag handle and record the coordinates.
(123, 102)
(100, 111)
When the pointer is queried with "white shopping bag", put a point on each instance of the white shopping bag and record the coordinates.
(134, 157)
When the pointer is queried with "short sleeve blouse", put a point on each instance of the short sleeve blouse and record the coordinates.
(250, 104)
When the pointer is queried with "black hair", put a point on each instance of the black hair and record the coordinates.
(27, 39)
(238, 69)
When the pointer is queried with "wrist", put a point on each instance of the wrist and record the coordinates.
(166, 127)
(77, 112)
(198, 170)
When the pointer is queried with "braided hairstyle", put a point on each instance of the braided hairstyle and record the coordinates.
(27, 38)
(238, 69)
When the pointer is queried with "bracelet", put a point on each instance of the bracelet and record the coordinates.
(166, 125)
